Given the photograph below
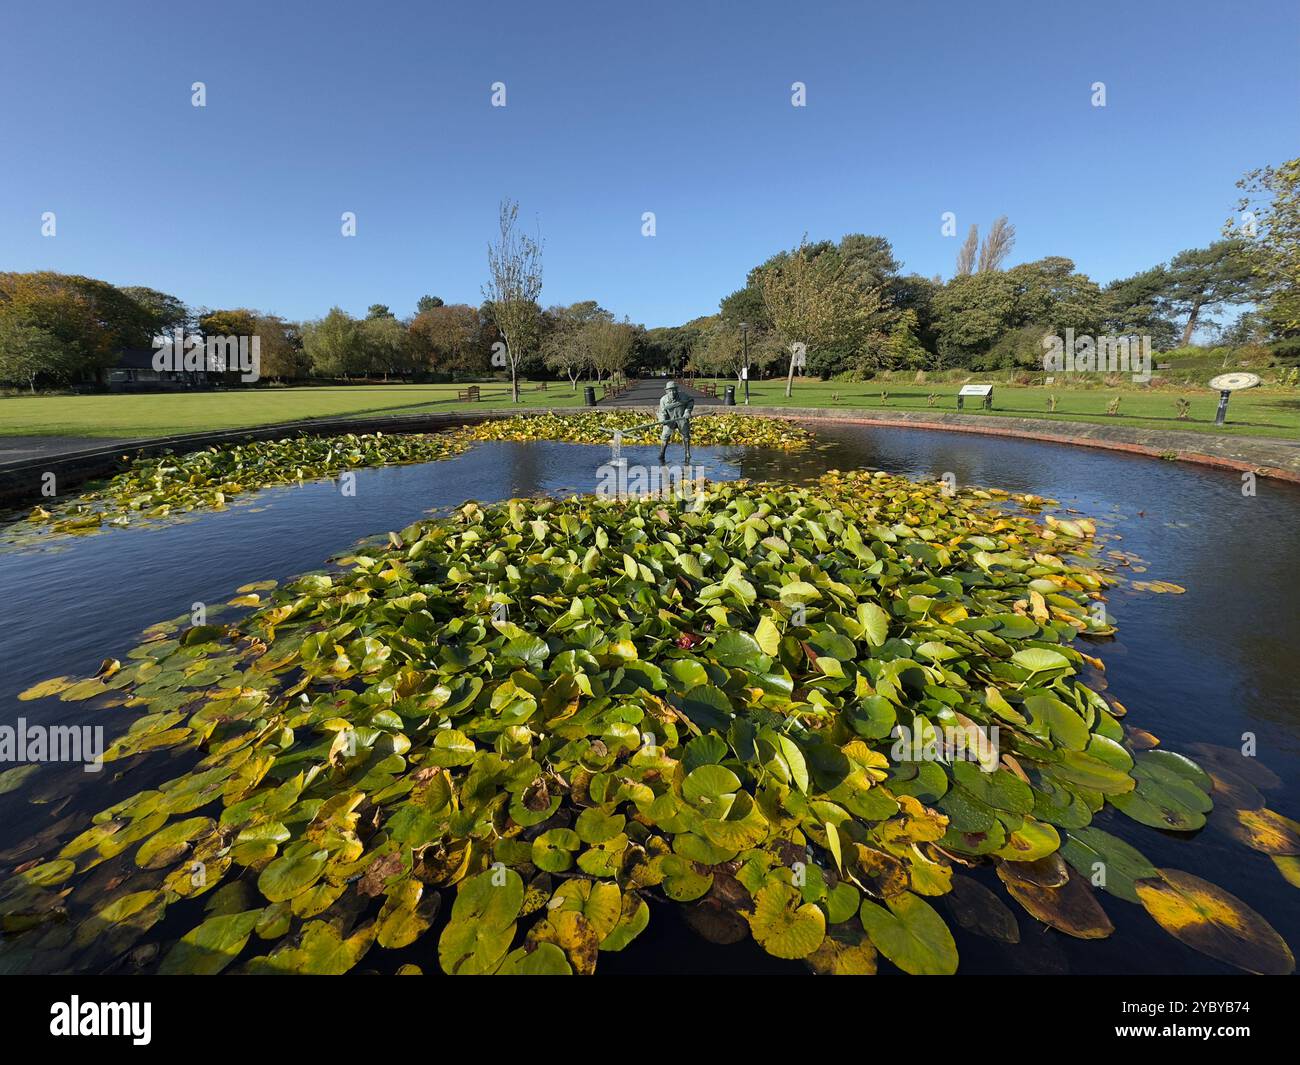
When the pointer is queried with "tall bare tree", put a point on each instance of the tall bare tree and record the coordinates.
(514, 285)
(997, 245)
(966, 255)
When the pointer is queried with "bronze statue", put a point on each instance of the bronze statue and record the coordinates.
(675, 412)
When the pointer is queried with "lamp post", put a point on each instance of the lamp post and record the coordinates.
(744, 339)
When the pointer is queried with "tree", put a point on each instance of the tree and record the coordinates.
(28, 352)
(669, 347)
(610, 345)
(1203, 279)
(334, 344)
(1052, 294)
(570, 347)
(236, 322)
(379, 310)
(427, 303)
(445, 338)
(92, 320)
(966, 253)
(513, 288)
(811, 302)
(1270, 209)
(997, 245)
(280, 343)
(971, 311)
(384, 345)
(718, 351)
(166, 313)
(1135, 306)
(903, 347)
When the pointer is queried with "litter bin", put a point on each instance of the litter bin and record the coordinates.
(730, 399)
(590, 395)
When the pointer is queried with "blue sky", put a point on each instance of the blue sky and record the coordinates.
(615, 109)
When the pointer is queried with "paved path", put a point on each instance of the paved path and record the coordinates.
(647, 393)
(17, 448)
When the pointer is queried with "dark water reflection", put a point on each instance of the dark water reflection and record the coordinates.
(1209, 665)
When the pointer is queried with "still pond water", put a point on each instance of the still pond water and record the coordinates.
(1206, 666)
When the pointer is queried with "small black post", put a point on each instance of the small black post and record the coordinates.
(1223, 407)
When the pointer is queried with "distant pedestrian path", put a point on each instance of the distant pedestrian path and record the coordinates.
(648, 392)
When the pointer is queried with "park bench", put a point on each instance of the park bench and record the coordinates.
(708, 389)
(470, 393)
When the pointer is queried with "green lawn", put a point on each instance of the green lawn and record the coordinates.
(166, 414)
(1255, 412)
(1252, 413)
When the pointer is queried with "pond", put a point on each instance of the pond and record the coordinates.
(1206, 666)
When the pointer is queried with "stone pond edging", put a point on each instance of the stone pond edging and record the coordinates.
(21, 480)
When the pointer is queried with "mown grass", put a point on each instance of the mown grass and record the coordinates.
(167, 414)
(1257, 412)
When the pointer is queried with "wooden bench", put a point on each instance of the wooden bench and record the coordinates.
(470, 393)
(708, 389)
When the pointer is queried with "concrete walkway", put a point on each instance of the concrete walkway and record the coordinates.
(647, 393)
(18, 448)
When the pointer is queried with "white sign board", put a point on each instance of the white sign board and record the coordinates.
(744, 373)
(976, 390)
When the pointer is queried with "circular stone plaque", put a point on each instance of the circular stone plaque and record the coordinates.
(1233, 382)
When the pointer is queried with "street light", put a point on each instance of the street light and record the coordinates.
(744, 338)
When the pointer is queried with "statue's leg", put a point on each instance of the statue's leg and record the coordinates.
(665, 434)
(686, 441)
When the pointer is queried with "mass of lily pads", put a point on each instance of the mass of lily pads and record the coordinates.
(168, 486)
(504, 739)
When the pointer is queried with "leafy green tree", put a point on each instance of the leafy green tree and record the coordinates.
(668, 348)
(822, 298)
(427, 303)
(1052, 294)
(570, 346)
(334, 345)
(1270, 213)
(971, 312)
(385, 347)
(1135, 306)
(1203, 279)
(28, 352)
(281, 347)
(166, 313)
(379, 310)
(610, 344)
(903, 347)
